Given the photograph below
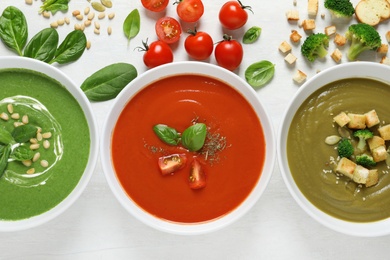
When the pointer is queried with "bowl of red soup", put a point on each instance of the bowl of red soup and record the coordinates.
(187, 148)
(334, 151)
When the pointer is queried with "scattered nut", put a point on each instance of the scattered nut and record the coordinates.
(332, 140)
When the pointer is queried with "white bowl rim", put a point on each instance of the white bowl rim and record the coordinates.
(53, 72)
(362, 69)
(197, 68)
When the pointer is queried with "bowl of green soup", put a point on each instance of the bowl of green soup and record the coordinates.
(48, 143)
(333, 148)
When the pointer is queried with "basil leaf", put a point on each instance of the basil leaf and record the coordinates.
(251, 35)
(5, 136)
(24, 133)
(107, 83)
(4, 159)
(54, 6)
(71, 48)
(260, 73)
(22, 153)
(43, 45)
(13, 29)
(131, 25)
(167, 134)
(194, 136)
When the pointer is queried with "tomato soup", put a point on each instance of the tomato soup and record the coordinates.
(232, 169)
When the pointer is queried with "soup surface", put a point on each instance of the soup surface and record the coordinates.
(59, 143)
(177, 101)
(309, 157)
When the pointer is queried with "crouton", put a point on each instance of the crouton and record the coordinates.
(308, 24)
(372, 12)
(371, 118)
(373, 178)
(299, 77)
(340, 40)
(346, 167)
(385, 60)
(383, 49)
(384, 132)
(358, 121)
(360, 174)
(312, 7)
(342, 119)
(336, 55)
(295, 36)
(290, 58)
(292, 15)
(387, 36)
(330, 30)
(379, 154)
(375, 142)
(285, 47)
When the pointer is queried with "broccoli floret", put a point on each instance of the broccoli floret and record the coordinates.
(362, 37)
(340, 8)
(345, 148)
(365, 160)
(315, 46)
(363, 135)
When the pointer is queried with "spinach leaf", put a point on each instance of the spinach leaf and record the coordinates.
(24, 133)
(167, 134)
(107, 83)
(251, 35)
(194, 136)
(260, 73)
(4, 159)
(22, 153)
(5, 137)
(131, 25)
(43, 45)
(13, 29)
(71, 48)
(54, 5)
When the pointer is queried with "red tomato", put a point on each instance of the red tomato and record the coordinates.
(155, 5)
(199, 45)
(156, 54)
(168, 30)
(190, 10)
(233, 15)
(229, 53)
(171, 163)
(197, 178)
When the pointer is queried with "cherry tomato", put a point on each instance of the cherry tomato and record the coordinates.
(171, 163)
(190, 10)
(199, 45)
(168, 30)
(156, 54)
(197, 178)
(155, 5)
(233, 15)
(229, 53)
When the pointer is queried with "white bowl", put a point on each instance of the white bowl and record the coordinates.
(369, 70)
(52, 72)
(172, 69)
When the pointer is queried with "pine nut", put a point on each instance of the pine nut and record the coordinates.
(97, 25)
(10, 108)
(46, 14)
(30, 171)
(36, 157)
(96, 31)
(106, 3)
(4, 116)
(87, 23)
(91, 15)
(79, 17)
(29, 2)
(46, 135)
(54, 24)
(15, 116)
(33, 141)
(16, 124)
(39, 136)
(25, 119)
(60, 22)
(77, 27)
(86, 10)
(39, 130)
(109, 30)
(34, 146)
(75, 13)
(27, 163)
(88, 46)
(46, 144)
(101, 16)
(44, 163)
(111, 16)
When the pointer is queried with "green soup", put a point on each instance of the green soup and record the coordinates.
(309, 157)
(29, 185)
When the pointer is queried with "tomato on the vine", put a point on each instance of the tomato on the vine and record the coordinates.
(189, 10)
(233, 14)
(156, 54)
(229, 53)
(199, 45)
(168, 30)
(155, 5)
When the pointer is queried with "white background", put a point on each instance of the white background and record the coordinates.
(97, 227)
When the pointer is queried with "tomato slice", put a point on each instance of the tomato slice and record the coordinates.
(197, 178)
(168, 30)
(171, 163)
(155, 5)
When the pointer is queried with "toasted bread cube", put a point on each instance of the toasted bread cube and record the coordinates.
(292, 15)
(360, 174)
(308, 24)
(375, 142)
(346, 167)
(285, 47)
(373, 177)
(372, 118)
(299, 77)
(295, 36)
(342, 119)
(385, 60)
(340, 40)
(330, 30)
(290, 58)
(387, 36)
(336, 55)
(358, 121)
(384, 132)
(383, 49)
(379, 154)
(312, 7)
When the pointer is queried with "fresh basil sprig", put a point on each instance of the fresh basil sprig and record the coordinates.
(251, 35)
(167, 134)
(22, 153)
(54, 6)
(24, 133)
(43, 45)
(132, 24)
(5, 137)
(260, 73)
(71, 48)
(4, 158)
(13, 29)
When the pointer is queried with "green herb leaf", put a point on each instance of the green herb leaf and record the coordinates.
(24, 133)
(107, 83)
(13, 29)
(194, 136)
(167, 134)
(22, 153)
(251, 35)
(260, 73)
(43, 45)
(71, 48)
(54, 6)
(4, 159)
(5, 137)
(132, 24)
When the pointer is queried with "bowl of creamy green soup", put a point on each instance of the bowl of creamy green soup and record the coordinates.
(48, 143)
(333, 148)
